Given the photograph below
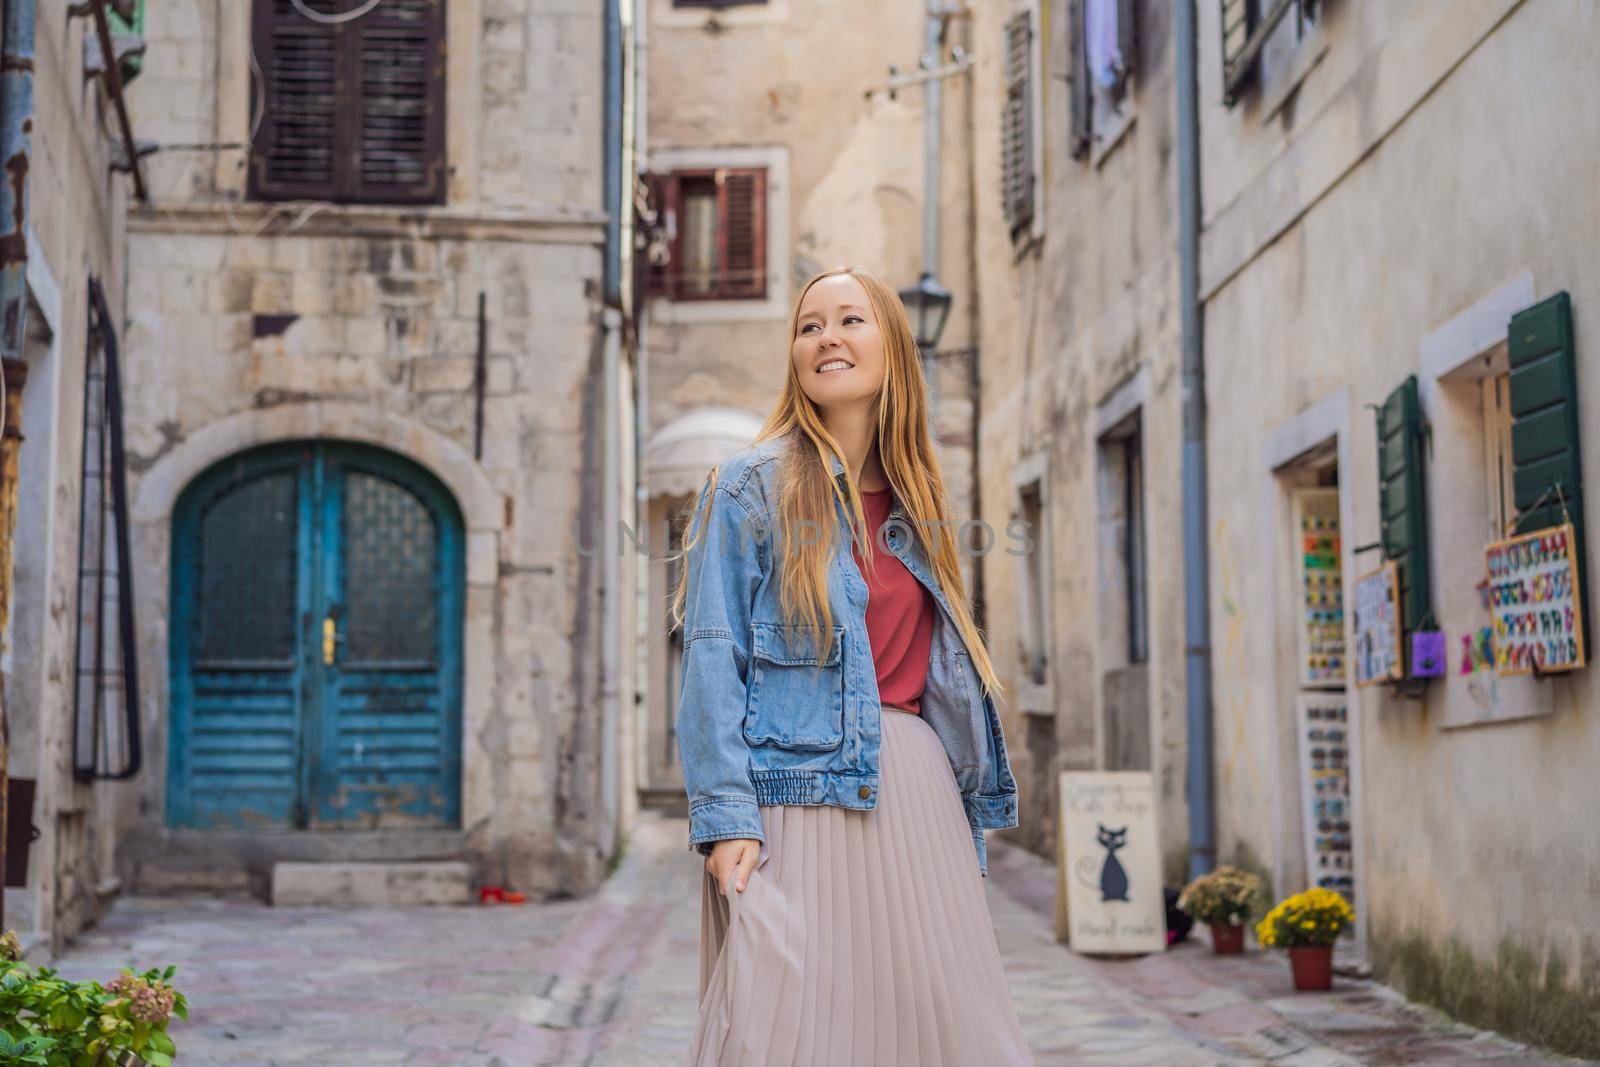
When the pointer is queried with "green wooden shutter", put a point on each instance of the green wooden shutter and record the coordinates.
(132, 26)
(1546, 464)
(1402, 504)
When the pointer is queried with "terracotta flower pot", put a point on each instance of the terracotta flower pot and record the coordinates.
(1227, 938)
(1312, 966)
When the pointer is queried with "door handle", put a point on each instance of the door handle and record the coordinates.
(331, 637)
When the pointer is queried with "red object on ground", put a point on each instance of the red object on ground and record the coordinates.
(1227, 938)
(515, 898)
(491, 894)
(900, 613)
(1312, 966)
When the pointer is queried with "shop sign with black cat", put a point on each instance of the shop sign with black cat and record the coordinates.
(1112, 857)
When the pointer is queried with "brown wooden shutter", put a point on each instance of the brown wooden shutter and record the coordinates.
(395, 150)
(1016, 126)
(744, 234)
(295, 150)
(354, 111)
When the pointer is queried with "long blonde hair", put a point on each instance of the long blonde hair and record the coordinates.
(809, 491)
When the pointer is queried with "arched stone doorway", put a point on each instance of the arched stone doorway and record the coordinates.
(317, 592)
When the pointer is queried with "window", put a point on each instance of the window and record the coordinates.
(1502, 494)
(1028, 534)
(713, 233)
(1251, 39)
(1016, 124)
(351, 109)
(106, 731)
(1035, 588)
(1133, 548)
(1103, 42)
(1125, 578)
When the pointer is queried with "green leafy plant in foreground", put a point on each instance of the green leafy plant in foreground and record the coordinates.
(55, 1022)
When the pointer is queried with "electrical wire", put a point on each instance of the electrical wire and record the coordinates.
(333, 20)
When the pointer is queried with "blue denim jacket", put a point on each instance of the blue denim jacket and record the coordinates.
(761, 721)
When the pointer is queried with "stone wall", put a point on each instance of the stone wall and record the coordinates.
(76, 229)
(251, 322)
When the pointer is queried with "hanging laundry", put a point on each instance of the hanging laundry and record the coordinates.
(1107, 66)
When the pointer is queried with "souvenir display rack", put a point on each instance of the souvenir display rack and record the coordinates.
(1319, 588)
(1377, 654)
(1323, 732)
(1533, 599)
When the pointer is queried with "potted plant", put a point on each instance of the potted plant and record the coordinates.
(1225, 898)
(54, 1022)
(1307, 924)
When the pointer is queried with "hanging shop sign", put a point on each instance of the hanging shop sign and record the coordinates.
(1321, 631)
(1533, 597)
(1112, 860)
(1376, 626)
(1325, 792)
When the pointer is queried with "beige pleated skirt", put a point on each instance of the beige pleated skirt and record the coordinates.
(863, 938)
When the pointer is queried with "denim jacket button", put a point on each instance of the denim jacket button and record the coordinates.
(864, 792)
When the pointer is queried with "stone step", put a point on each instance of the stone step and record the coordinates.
(371, 885)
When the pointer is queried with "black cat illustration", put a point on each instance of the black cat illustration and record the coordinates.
(1113, 879)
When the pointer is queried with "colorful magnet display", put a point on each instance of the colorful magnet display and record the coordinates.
(1324, 748)
(1533, 598)
(1322, 592)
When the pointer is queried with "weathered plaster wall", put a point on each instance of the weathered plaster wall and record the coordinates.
(75, 223)
(379, 345)
(1474, 843)
(1085, 316)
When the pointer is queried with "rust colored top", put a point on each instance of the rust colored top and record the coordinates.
(900, 615)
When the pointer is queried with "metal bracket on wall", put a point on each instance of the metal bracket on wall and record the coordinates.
(961, 62)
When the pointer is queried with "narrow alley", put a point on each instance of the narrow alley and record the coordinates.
(611, 979)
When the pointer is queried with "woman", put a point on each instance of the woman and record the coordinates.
(840, 748)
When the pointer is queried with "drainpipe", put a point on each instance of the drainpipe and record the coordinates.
(932, 135)
(16, 124)
(1196, 558)
(611, 466)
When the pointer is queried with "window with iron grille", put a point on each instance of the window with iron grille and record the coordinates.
(351, 99)
(106, 708)
(713, 233)
(1016, 123)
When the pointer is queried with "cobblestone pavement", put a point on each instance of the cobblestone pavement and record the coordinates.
(610, 980)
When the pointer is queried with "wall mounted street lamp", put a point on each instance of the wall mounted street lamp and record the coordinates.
(928, 306)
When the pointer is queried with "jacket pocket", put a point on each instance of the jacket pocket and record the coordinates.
(795, 697)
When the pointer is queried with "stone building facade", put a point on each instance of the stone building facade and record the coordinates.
(1392, 211)
(808, 164)
(75, 239)
(1395, 213)
(369, 433)
(1081, 412)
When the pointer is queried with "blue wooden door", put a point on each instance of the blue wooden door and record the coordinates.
(316, 644)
